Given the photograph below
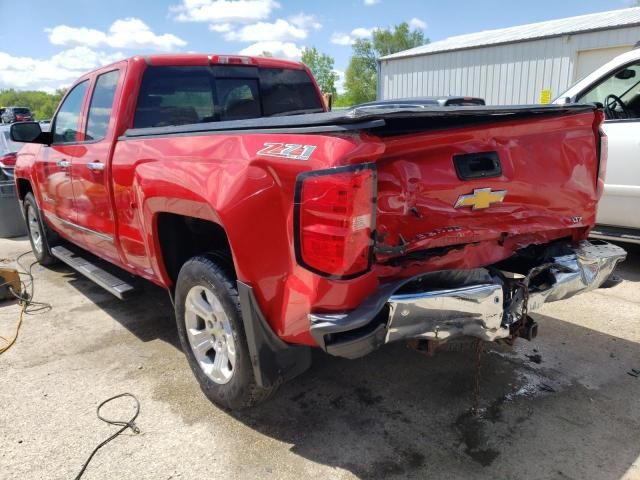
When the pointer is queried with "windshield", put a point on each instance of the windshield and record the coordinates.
(623, 83)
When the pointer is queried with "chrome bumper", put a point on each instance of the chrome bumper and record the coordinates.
(590, 265)
(474, 303)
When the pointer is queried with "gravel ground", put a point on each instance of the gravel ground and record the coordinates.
(560, 407)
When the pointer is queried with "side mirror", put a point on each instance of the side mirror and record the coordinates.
(625, 74)
(29, 132)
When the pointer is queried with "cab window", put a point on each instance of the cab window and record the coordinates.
(288, 92)
(175, 96)
(619, 93)
(65, 128)
(101, 105)
(238, 98)
(187, 95)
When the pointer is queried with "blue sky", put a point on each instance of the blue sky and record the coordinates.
(49, 43)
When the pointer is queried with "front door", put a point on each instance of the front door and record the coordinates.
(53, 167)
(620, 94)
(90, 172)
(620, 204)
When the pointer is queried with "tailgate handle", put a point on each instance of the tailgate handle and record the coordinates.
(477, 165)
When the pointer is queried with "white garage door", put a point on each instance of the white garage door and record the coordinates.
(589, 60)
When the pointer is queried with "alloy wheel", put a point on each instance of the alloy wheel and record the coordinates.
(210, 334)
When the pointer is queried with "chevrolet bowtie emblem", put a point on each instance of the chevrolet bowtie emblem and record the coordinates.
(480, 198)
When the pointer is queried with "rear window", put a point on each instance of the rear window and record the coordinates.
(22, 111)
(187, 95)
(286, 92)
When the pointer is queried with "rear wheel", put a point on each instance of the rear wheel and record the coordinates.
(39, 235)
(212, 334)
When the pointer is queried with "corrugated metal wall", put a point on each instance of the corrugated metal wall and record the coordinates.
(503, 74)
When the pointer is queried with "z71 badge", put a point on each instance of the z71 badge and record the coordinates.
(293, 151)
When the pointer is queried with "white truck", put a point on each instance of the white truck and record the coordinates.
(616, 85)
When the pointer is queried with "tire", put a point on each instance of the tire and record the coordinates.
(212, 334)
(40, 236)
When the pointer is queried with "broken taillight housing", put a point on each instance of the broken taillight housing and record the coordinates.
(334, 220)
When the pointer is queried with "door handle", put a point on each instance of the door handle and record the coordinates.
(95, 166)
(63, 163)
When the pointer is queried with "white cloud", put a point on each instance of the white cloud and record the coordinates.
(123, 33)
(220, 27)
(294, 28)
(263, 31)
(361, 32)
(308, 22)
(223, 11)
(418, 24)
(278, 49)
(340, 38)
(64, 35)
(48, 74)
(371, 2)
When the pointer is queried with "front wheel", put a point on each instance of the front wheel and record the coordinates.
(212, 334)
(39, 234)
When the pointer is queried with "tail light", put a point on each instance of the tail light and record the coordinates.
(8, 160)
(334, 220)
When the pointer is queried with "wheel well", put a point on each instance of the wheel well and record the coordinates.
(24, 187)
(181, 238)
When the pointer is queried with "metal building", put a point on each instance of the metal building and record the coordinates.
(525, 64)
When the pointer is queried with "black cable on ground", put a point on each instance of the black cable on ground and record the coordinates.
(130, 424)
(25, 299)
(30, 307)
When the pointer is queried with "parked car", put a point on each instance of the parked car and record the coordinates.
(16, 114)
(8, 154)
(425, 102)
(276, 226)
(616, 85)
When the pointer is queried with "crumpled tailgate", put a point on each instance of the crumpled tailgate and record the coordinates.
(545, 179)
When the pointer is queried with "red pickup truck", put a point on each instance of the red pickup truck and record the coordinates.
(277, 226)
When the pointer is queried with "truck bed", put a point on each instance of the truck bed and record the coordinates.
(380, 121)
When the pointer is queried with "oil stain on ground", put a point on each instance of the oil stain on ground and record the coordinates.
(474, 435)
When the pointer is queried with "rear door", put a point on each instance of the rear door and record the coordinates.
(53, 166)
(90, 171)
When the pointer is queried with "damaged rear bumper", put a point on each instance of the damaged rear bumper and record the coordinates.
(485, 303)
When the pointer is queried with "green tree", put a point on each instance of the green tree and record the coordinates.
(361, 75)
(360, 79)
(41, 104)
(321, 65)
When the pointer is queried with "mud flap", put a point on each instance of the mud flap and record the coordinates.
(273, 360)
